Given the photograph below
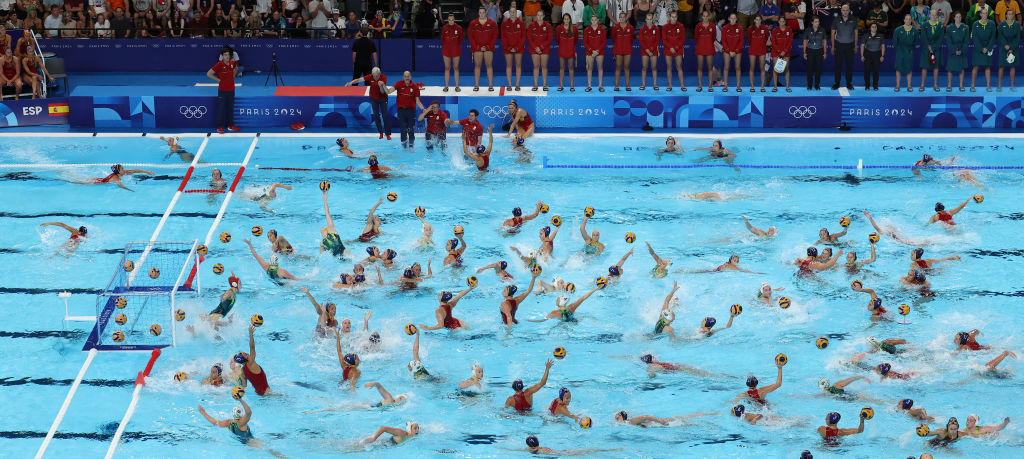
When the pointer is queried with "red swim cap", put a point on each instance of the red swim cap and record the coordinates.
(234, 281)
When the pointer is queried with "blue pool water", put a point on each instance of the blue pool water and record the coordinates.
(799, 184)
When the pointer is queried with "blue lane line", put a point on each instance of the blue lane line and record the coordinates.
(756, 166)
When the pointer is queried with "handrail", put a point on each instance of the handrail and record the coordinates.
(140, 382)
(67, 402)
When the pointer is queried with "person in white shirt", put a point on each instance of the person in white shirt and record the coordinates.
(102, 26)
(53, 22)
(318, 11)
(98, 7)
(574, 8)
(185, 6)
(615, 7)
(943, 11)
(336, 24)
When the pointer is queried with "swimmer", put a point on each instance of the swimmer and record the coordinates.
(521, 123)
(556, 285)
(547, 241)
(499, 269)
(278, 244)
(992, 364)
(349, 365)
(455, 248)
(375, 169)
(533, 447)
(757, 395)
(944, 216)
(510, 304)
(117, 173)
(918, 261)
(811, 263)
(385, 397)
(974, 430)
(252, 371)
(416, 365)
(886, 345)
(907, 405)
(830, 432)
(667, 316)
(916, 278)
(927, 160)
(567, 311)
(824, 237)
(644, 420)
(77, 236)
(717, 150)
(176, 149)
(343, 147)
(372, 227)
(890, 231)
(517, 220)
(874, 304)
(655, 366)
(330, 240)
(709, 196)
(217, 181)
(445, 319)
(227, 301)
(386, 258)
(771, 231)
(740, 412)
(671, 146)
(764, 294)
(269, 194)
(412, 429)
(275, 272)
(215, 378)
(660, 264)
(427, 240)
(237, 425)
(414, 275)
(356, 279)
(475, 380)
(883, 369)
(593, 245)
(560, 405)
(325, 315)
(522, 399)
(480, 154)
(615, 271)
(839, 387)
(852, 265)
(943, 437)
(965, 341)
(706, 330)
(731, 265)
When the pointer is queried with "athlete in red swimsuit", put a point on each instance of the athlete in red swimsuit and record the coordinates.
(11, 72)
(758, 35)
(757, 395)
(560, 405)
(31, 65)
(966, 341)
(732, 50)
(944, 216)
(375, 169)
(444, 315)
(885, 370)
(117, 172)
(518, 218)
(521, 123)
(499, 269)
(522, 400)
(538, 36)
(704, 36)
(511, 303)
(831, 433)
(349, 365)
(482, 155)
(373, 222)
(77, 236)
(253, 371)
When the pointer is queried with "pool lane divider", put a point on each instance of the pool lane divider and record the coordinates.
(67, 402)
(231, 190)
(860, 165)
(347, 169)
(140, 382)
(107, 165)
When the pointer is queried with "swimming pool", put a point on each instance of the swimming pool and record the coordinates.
(798, 183)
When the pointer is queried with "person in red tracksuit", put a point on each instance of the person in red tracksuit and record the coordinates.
(782, 46)
(758, 34)
(538, 36)
(622, 39)
(732, 50)
(451, 50)
(513, 41)
(595, 36)
(567, 35)
(673, 35)
(704, 34)
(650, 38)
(482, 34)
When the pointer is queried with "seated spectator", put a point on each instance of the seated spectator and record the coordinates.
(770, 11)
(263, 7)
(176, 24)
(182, 6)
(353, 25)
(32, 22)
(832, 11)
(336, 25)
(153, 27)
(396, 22)
(97, 7)
(68, 27)
(253, 26)
(377, 25)
(878, 16)
(113, 5)
(219, 25)
(85, 26)
(161, 9)
(274, 26)
(236, 27)
(120, 24)
(298, 28)
(53, 22)
(140, 9)
(102, 26)
(428, 17)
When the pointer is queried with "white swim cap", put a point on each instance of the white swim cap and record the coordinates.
(562, 301)
(668, 315)
(237, 412)
(415, 366)
(273, 260)
(823, 383)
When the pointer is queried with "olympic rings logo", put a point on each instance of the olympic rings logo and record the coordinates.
(192, 111)
(802, 111)
(496, 111)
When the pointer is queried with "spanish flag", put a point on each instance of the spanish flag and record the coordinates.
(60, 109)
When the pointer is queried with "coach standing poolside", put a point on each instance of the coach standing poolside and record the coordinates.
(378, 100)
(223, 72)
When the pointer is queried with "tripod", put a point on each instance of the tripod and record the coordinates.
(274, 72)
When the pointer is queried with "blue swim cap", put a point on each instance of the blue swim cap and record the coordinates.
(623, 415)
(219, 368)
(340, 141)
(350, 359)
(83, 230)
(918, 253)
(446, 296)
(520, 141)
(115, 168)
(806, 454)
(751, 382)
(503, 264)
(709, 322)
(547, 230)
(371, 250)
(375, 337)
(359, 278)
(926, 157)
(812, 251)
(480, 148)
(390, 254)
(562, 392)
(939, 207)
(409, 274)
(832, 418)
(453, 243)
(614, 270)
(517, 385)
(511, 290)
(344, 278)
(532, 441)
(962, 338)
(884, 368)
(372, 161)
(876, 303)
(647, 358)
(906, 403)
(517, 212)
(240, 358)
(738, 410)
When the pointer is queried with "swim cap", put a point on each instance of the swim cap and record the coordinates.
(340, 142)
(976, 418)
(375, 337)
(480, 148)
(751, 381)
(906, 403)
(812, 251)
(329, 305)
(673, 139)
(939, 207)
(502, 264)
(668, 315)
(952, 420)
(547, 230)
(961, 338)
(520, 141)
(390, 254)
(738, 410)
(234, 282)
(623, 415)
(517, 212)
(237, 412)
(832, 418)
(517, 385)
(115, 168)
(511, 290)
(274, 260)
(415, 366)
(709, 322)
(884, 368)
(371, 250)
(240, 358)
(82, 230)
(350, 359)
(806, 455)
(918, 253)
(562, 301)
(823, 383)
(359, 278)
(409, 274)
(926, 157)
(647, 358)
(453, 244)
(614, 270)
(562, 392)
(219, 368)
(408, 425)
(446, 296)
(343, 278)
(372, 161)
(532, 441)
(876, 303)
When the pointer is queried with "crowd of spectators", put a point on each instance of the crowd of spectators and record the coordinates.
(389, 18)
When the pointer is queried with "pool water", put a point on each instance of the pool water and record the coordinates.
(797, 183)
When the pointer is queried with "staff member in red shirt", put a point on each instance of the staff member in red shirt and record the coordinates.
(567, 36)
(538, 35)
(472, 130)
(407, 99)
(594, 38)
(673, 34)
(732, 50)
(650, 38)
(622, 40)
(223, 72)
(378, 100)
(704, 34)
(782, 46)
(513, 41)
(437, 125)
(758, 35)
(451, 50)
(482, 34)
